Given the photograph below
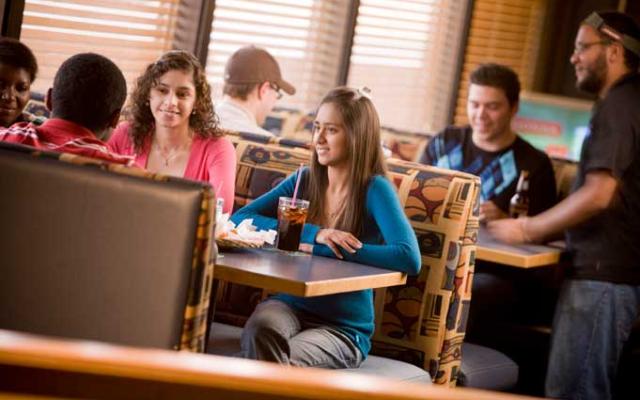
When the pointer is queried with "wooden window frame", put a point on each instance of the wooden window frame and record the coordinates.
(350, 33)
(11, 18)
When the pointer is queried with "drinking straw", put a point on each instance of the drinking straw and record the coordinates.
(295, 191)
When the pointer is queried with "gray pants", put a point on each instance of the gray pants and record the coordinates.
(276, 332)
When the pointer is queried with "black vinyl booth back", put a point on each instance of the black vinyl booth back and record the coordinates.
(93, 254)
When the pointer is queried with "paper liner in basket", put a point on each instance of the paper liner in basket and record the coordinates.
(227, 234)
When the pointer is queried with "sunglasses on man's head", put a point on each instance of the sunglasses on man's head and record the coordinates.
(595, 21)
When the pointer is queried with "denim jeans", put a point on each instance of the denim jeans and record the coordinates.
(593, 320)
(276, 332)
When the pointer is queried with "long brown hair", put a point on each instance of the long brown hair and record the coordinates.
(203, 121)
(366, 160)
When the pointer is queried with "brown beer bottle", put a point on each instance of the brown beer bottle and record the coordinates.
(519, 204)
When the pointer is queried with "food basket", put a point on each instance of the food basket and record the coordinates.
(227, 243)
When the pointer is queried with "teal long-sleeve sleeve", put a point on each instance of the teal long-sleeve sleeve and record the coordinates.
(399, 250)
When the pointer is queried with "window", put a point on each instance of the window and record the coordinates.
(131, 33)
(305, 36)
(407, 53)
(506, 32)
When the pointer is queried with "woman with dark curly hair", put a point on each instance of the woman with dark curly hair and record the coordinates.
(172, 128)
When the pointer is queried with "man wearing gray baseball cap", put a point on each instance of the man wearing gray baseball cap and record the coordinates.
(252, 85)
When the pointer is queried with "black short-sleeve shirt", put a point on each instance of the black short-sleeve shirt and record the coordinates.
(453, 148)
(607, 246)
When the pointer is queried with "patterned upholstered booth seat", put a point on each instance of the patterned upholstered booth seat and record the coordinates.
(36, 106)
(422, 322)
(98, 251)
(290, 124)
(407, 146)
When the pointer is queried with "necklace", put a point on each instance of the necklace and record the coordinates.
(168, 156)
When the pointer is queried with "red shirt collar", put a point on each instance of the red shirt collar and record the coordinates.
(62, 125)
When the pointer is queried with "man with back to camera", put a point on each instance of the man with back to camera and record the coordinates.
(490, 149)
(252, 85)
(87, 96)
(600, 300)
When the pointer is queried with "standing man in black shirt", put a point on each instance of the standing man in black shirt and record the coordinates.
(601, 299)
(490, 149)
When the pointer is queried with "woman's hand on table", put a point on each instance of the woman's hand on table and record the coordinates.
(512, 231)
(335, 238)
(306, 248)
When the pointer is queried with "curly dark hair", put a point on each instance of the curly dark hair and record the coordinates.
(88, 89)
(204, 121)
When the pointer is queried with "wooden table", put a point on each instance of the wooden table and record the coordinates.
(38, 367)
(300, 274)
(521, 256)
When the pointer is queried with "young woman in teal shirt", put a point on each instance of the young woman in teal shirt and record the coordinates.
(355, 215)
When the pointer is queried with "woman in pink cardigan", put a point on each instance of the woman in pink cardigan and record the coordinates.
(172, 128)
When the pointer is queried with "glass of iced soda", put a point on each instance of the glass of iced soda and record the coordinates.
(291, 217)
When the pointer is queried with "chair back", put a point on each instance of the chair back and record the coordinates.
(262, 166)
(92, 250)
(424, 321)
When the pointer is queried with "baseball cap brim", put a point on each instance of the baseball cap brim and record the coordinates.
(286, 86)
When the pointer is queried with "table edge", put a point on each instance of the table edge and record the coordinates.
(303, 289)
(520, 261)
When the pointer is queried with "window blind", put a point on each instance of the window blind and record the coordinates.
(131, 33)
(407, 53)
(305, 36)
(506, 32)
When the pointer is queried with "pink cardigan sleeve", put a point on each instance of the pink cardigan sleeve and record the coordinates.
(222, 171)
